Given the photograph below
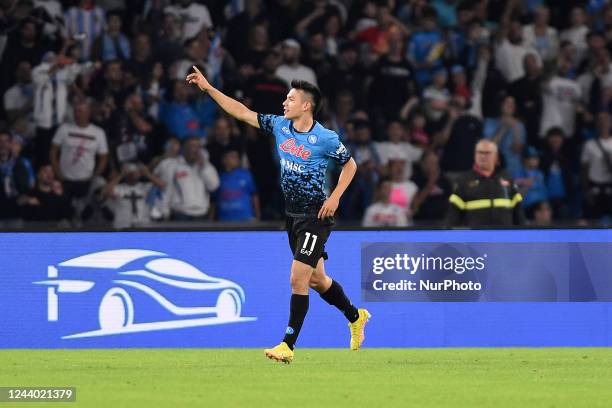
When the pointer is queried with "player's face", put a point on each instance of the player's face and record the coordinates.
(296, 104)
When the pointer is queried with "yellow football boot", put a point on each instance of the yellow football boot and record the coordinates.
(357, 329)
(280, 353)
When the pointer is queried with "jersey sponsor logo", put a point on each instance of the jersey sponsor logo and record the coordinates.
(293, 166)
(285, 129)
(341, 150)
(290, 146)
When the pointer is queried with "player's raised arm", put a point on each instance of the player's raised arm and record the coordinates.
(231, 106)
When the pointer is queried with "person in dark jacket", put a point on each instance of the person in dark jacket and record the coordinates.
(15, 181)
(485, 196)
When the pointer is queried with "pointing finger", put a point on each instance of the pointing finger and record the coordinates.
(196, 70)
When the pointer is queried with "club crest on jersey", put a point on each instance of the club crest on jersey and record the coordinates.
(312, 139)
(290, 146)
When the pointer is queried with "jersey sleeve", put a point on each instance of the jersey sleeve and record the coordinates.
(337, 151)
(267, 122)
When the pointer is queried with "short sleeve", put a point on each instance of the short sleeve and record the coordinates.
(587, 153)
(267, 122)
(59, 136)
(337, 151)
(102, 144)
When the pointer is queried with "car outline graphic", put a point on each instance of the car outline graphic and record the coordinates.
(117, 310)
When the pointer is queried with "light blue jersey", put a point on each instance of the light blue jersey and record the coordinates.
(303, 159)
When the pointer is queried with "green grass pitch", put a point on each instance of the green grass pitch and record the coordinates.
(381, 378)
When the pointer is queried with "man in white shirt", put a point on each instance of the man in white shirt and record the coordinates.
(561, 98)
(596, 162)
(189, 180)
(510, 52)
(51, 81)
(79, 152)
(577, 33)
(19, 99)
(397, 148)
(291, 68)
(193, 17)
(129, 195)
(382, 213)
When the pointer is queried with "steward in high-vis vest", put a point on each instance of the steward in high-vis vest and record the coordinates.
(485, 196)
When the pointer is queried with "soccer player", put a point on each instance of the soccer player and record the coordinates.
(304, 148)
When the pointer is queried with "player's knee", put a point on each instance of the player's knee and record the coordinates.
(298, 282)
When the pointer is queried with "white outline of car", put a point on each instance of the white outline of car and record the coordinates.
(116, 311)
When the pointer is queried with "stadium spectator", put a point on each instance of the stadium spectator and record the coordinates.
(381, 213)
(48, 203)
(508, 133)
(85, 22)
(21, 45)
(142, 56)
(484, 196)
(436, 96)
(189, 180)
(266, 91)
(560, 102)
(179, 116)
(14, 184)
(577, 33)
(363, 150)
(168, 45)
(403, 190)
(339, 118)
(396, 147)
(459, 135)
(426, 48)
(531, 181)
(224, 137)
(112, 44)
(527, 93)
(79, 154)
(130, 195)
(392, 83)
(291, 68)
(542, 37)
(431, 202)
(19, 99)
(236, 199)
(347, 73)
(510, 50)
(596, 162)
(542, 214)
(52, 79)
(192, 17)
(131, 133)
(556, 163)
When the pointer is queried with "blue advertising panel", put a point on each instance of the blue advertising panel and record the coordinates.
(231, 289)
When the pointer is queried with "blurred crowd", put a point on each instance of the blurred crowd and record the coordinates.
(99, 127)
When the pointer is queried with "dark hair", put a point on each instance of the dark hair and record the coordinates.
(114, 12)
(311, 90)
(555, 131)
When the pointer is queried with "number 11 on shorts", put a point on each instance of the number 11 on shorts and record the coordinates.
(314, 241)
